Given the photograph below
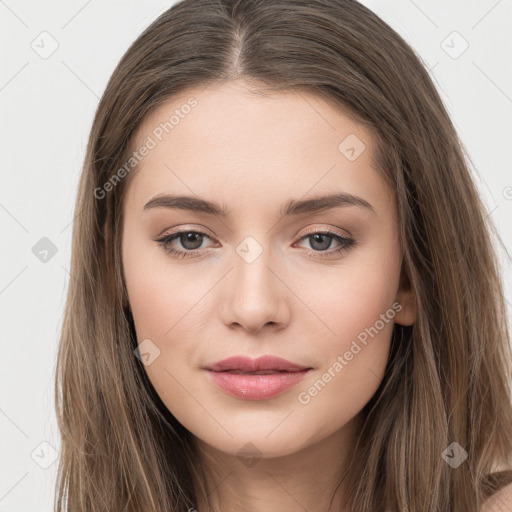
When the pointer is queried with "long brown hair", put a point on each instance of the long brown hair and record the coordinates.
(448, 375)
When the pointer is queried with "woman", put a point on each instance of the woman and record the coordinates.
(285, 293)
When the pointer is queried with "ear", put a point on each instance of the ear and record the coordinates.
(406, 298)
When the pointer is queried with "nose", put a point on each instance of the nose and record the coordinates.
(255, 296)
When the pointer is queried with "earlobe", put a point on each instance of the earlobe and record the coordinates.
(407, 300)
(408, 311)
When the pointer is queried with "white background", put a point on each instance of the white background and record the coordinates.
(46, 111)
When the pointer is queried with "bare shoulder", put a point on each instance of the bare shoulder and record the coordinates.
(500, 501)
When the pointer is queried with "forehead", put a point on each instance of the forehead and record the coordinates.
(216, 112)
(228, 139)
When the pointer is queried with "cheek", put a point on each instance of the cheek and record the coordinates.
(158, 302)
(166, 308)
(356, 306)
(357, 311)
(161, 294)
(351, 299)
(168, 304)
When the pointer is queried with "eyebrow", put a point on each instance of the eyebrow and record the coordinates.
(290, 208)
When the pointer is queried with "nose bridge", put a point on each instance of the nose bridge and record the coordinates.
(252, 272)
(257, 294)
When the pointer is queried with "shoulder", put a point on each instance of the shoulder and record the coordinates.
(501, 501)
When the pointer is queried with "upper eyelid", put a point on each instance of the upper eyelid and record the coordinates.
(204, 231)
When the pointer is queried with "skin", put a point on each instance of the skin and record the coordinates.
(252, 153)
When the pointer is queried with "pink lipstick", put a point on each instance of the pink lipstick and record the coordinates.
(256, 379)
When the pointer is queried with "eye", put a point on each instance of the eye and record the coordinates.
(192, 242)
(320, 241)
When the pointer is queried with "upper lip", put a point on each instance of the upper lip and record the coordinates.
(247, 364)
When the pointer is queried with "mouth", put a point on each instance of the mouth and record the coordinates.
(255, 379)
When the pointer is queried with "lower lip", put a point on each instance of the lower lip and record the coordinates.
(256, 387)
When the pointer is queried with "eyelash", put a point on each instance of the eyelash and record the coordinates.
(166, 240)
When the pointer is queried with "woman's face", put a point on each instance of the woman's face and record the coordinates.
(257, 280)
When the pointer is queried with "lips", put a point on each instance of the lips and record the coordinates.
(264, 365)
(255, 379)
